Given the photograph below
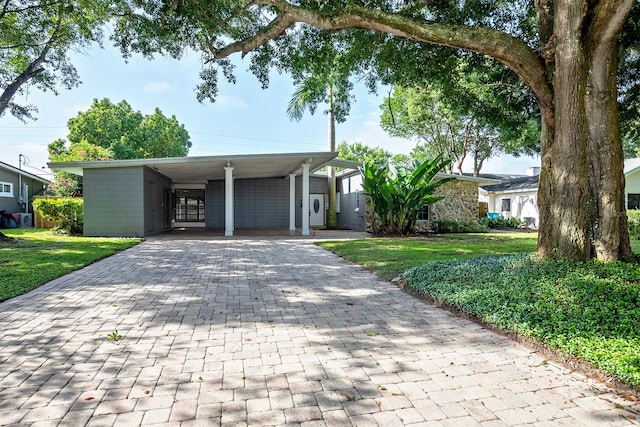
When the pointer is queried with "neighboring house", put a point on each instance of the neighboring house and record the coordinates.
(17, 190)
(514, 198)
(518, 197)
(460, 201)
(632, 183)
(141, 197)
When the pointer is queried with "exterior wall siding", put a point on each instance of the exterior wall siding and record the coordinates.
(214, 204)
(114, 202)
(632, 185)
(352, 202)
(258, 202)
(352, 211)
(11, 204)
(154, 202)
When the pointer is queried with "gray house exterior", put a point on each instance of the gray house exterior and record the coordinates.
(143, 197)
(18, 189)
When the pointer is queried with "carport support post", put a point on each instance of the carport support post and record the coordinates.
(292, 202)
(305, 199)
(228, 200)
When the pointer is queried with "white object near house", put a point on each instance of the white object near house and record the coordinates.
(518, 196)
(515, 197)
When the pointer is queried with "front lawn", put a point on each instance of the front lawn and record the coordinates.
(392, 256)
(38, 256)
(588, 311)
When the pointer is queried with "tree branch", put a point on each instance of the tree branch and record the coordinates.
(32, 70)
(512, 52)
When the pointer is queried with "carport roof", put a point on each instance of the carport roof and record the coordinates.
(204, 168)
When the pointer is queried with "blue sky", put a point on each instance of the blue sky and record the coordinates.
(244, 119)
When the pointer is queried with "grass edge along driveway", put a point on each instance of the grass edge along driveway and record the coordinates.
(389, 257)
(37, 256)
(586, 311)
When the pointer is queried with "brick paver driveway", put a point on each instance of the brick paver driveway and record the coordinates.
(267, 332)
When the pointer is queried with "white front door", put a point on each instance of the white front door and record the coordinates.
(316, 210)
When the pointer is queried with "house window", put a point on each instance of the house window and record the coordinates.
(189, 206)
(424, 214)
(633, 201)
(6, 189)
(506, 205)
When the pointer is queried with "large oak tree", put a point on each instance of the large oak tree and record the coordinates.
(565, 51)
(36, 39)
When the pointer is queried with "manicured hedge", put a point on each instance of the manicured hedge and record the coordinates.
(68, 210)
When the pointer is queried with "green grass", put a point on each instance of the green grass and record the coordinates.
(39, 256)
(389, 257)
(586, 310)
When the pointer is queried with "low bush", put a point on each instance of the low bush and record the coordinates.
(442, 226)
(588, 310)
(501, 223)
(68, 210)
(633, 223)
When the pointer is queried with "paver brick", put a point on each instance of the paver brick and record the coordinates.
(259, 332)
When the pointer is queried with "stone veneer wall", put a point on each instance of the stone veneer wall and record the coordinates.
(460, 203)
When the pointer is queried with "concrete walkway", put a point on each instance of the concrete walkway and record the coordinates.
(267, 332)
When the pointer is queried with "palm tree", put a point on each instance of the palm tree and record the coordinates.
(334, 91)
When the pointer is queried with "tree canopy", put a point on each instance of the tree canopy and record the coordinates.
(126, 133)
(441, 125)
(565, 53)
(116, 131)
(36, 38)
(360, 152)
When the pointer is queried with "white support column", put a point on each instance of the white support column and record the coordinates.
(305, 199)
(228, 200)
(292, 202)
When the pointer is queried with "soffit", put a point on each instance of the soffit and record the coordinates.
(205, 168)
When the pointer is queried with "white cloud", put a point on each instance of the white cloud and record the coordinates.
(371, 134)
(506, 165)
(157, 87)
(226, 102)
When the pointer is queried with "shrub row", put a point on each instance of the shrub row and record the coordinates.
(501, 223)
(633, 223)
(588, 310)
(68, 210)
(441, 226)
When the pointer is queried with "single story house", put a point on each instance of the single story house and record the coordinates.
(518, 196)
(141, 197)
(17, 190)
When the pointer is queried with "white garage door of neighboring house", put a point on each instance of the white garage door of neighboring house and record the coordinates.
(316, 210)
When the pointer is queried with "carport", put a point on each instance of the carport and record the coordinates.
(137, 197)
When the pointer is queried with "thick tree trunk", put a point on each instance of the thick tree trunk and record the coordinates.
(581, 191)
(610, 232)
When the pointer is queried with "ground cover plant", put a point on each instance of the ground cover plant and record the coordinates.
(390, 257)
(33, 257)
(583, 310)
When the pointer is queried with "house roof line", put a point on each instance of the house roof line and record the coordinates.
(203, 168)
(477, 179)
(23, 172)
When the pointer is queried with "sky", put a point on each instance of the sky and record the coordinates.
(245, 119)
